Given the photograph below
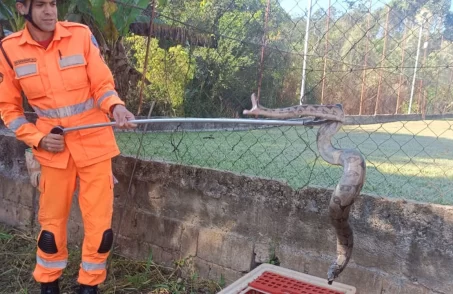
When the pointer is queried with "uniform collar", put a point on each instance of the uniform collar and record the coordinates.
(60, 32)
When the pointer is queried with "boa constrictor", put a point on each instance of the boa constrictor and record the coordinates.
(351, 182)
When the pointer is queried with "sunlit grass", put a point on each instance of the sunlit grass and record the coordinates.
(412, 160)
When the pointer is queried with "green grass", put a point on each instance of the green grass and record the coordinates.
(411, 160)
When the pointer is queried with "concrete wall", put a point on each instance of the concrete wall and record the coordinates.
(231, 223)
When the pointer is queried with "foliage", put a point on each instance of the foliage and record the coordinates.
(168, 71)
(8, 10)
(365, 59)
(110, 18)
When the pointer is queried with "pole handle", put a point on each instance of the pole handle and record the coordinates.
(59, 130)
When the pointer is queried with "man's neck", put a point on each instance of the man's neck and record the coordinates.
(38, 35)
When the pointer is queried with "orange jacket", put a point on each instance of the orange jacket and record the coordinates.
(67, 84)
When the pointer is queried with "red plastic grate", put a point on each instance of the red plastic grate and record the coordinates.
(277, 284)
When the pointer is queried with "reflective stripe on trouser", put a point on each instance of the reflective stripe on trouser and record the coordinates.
(96, 205)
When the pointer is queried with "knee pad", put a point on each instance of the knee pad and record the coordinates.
(106, 242)
(47, 243)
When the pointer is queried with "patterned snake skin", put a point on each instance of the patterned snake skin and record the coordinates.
(351, 182)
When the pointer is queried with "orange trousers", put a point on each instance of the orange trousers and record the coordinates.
(96, 205)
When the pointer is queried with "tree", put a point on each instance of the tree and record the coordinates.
(169, 71)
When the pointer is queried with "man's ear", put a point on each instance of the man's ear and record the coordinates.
(21, 8)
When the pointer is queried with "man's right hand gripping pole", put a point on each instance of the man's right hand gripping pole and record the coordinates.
(53, 142)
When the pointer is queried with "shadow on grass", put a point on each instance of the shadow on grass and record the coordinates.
(403, 165)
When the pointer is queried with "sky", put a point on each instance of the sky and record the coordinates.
(298, 7)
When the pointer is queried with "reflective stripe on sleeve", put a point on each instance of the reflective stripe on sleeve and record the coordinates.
(105, 96)
(17, 123)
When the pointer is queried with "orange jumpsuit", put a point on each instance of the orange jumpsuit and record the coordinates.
(67, 84)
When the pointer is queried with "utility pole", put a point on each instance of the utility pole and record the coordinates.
(376, 106)
(325, 56)
(304, 68)
(363, 92)
(403, 49)
(420, 91)
(416, 65)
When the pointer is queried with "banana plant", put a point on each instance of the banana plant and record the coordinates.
(109, 21)
(9, 12)
(109, 18)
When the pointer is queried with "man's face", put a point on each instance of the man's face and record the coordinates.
(44, 13)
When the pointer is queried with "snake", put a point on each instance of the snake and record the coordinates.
(352, 179)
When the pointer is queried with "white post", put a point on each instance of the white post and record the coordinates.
(415, 69)
(307, 31)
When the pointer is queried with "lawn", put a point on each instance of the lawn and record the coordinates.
(411, 160)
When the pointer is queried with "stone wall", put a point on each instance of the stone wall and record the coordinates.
(232, 223)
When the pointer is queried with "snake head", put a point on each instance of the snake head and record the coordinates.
(255, 107)
(333, 272)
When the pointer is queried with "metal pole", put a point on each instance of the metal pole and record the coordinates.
(299, 122)
(415, 69)
(307, 31)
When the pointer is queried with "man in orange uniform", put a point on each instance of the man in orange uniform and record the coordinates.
(59, 68)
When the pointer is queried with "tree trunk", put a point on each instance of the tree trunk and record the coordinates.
(2, 33)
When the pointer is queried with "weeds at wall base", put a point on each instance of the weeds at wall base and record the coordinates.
(18, 255)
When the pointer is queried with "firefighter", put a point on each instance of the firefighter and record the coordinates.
(59, 69)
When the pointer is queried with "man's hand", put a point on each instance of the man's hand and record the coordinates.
(52, 143)
(122, 117)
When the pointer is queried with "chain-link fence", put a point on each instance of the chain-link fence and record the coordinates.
(389, 63)
(378, 59)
